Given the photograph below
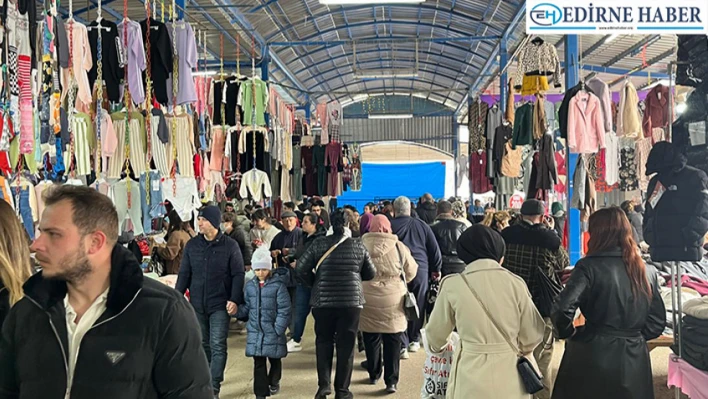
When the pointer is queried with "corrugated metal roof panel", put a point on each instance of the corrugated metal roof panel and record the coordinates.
(435, 131)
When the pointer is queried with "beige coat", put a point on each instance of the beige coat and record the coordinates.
(484, 366)
(629, 123)
(383, 310)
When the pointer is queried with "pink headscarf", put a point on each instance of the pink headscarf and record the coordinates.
(380, 224)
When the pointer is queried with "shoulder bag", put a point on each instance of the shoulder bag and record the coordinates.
(533, 381)
(329, 252)
(410, 304)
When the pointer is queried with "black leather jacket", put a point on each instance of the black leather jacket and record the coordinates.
(607, 358)
(447, 232)
(337, 281)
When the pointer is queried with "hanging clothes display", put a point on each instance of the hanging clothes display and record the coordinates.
(112, 72)
(135, 57)
(253, 97)
(602, 91)
(186, 54)
(523, 126)
(656, 114)
(628, 119)
(494, 120)
(479, 182)
(538, 60)
(477, 117)
(161, 55)
(586, 127)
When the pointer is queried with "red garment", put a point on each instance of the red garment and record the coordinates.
(561, 169)
(692, 282)
(601, 185)
(479, 181)
(5, 163)
(566, 240)
(333, 160)
(198, 166)
(656, 113)
(310, 173)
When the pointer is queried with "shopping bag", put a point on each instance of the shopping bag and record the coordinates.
(437, 368)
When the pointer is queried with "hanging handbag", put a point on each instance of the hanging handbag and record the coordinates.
(410, 304)
(532, 380)
(548, 292)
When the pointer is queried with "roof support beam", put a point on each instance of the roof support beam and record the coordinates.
(406, 39)
(452, 62)
(636, 71)
(244, 24)
(332, 10)
(484, 72)
(309, 42)
(380, 60)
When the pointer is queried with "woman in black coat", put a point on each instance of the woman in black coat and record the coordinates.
(619, 297)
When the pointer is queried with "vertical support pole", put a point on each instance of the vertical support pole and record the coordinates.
(572, 77)
(308, 109)
(265, 63)
(455, 150)
(181, 4)
(471, 124)
(504, 77)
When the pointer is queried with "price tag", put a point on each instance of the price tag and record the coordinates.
(155, 185)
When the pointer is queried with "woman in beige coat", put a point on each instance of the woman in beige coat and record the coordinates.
(382, 319)
(484, 364)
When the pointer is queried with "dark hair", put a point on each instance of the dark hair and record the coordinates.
(260, 214)
(371, 205)
(289, 205)
(444, 207)
(339, 220)
(302, 207)
(92, 211)
(313, 218)
(609, 228)
(319, 203)
(350, 207)
(176, 223)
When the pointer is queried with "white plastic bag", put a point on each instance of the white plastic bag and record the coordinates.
(437, 368)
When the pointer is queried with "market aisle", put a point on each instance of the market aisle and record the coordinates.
(300, 375)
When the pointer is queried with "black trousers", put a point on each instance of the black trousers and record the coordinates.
(264, 379)
(387, 360)
(419, 288)
(344, 324)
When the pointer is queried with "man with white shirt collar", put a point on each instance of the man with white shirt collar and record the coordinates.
(91, 295)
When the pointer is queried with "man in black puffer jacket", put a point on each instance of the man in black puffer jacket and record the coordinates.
(447, 231)
(339, 264)
(676, 216)
(426, 209)
(139, 339)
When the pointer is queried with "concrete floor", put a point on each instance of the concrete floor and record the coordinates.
(300, 373)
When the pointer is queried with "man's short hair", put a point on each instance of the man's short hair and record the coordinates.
(289, 205)
(260, 214)
(371, 205)
(428, 197)
(444, 207)
(402, 206)
(91, 210)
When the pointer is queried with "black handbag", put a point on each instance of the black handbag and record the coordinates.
(548, 292)
(532, 380)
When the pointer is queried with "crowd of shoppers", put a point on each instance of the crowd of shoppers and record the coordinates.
(351, 271)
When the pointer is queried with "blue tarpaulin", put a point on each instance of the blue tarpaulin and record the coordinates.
(388, 181)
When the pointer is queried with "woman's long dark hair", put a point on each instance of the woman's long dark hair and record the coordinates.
(176, 223)
(339, 220)
(609, 228)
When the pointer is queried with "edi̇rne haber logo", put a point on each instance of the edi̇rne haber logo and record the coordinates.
(617, 16)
